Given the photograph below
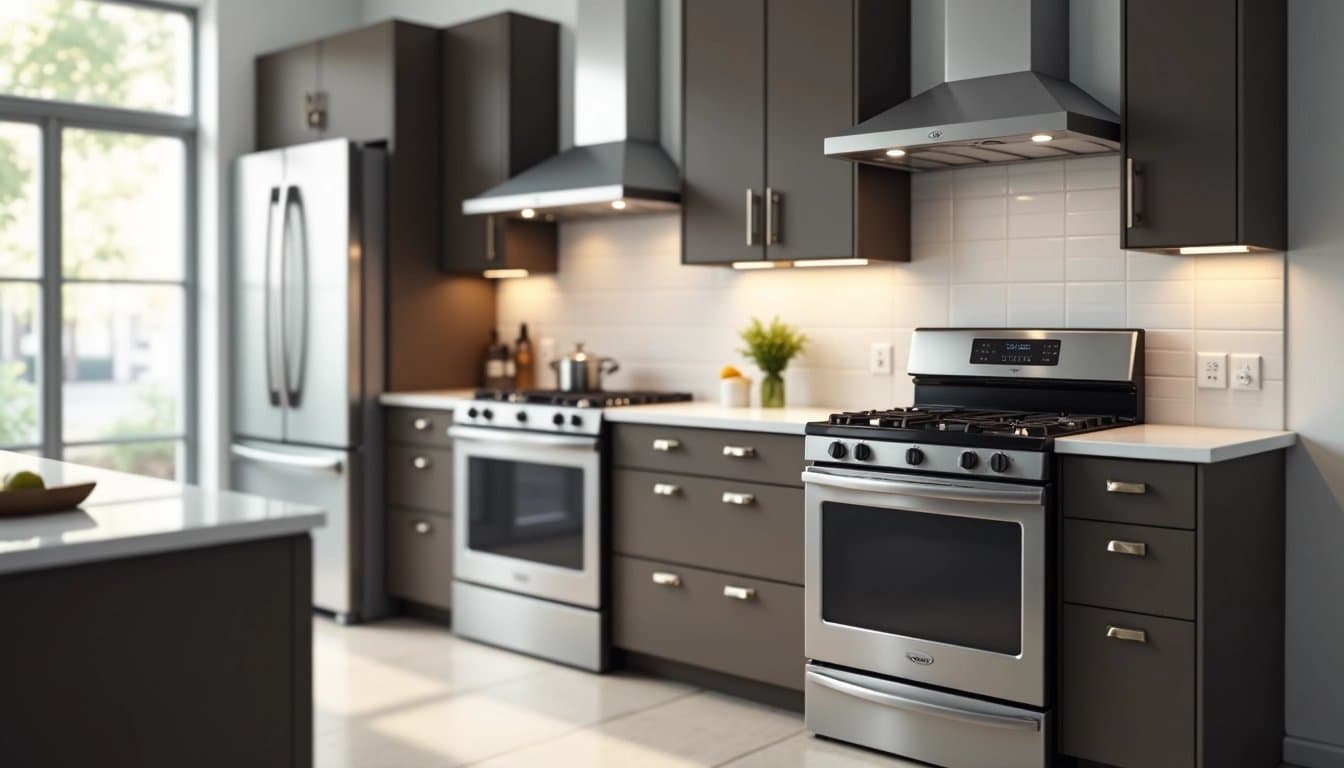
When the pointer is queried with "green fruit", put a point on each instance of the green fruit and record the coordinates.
(24, 480)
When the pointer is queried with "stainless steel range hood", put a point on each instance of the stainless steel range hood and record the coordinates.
(617, 164)
(1002, 92)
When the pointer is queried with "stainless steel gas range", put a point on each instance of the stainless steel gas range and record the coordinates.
(530, 500)
(929, 568)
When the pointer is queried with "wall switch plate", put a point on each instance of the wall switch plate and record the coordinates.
(879, 359)
(1211, 370)
(1245, 370)
(545, 354)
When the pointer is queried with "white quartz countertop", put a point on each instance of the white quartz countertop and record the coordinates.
(1165, 442)
(129, 516)
(439, 399)
(789, 421)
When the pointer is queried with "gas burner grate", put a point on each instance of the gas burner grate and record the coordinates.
(971, 421)
(611, 399)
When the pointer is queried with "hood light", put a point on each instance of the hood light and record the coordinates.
(831, 263)
(499, 274)
(1198, 250)
(618, 205)
(1041, 138)
(895, 153)
(761, 264)
(529, 213)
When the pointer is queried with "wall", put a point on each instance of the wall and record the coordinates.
(1030, 244)
(1315, 652)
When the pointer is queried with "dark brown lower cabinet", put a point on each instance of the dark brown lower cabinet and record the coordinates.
(419, 489)
(420, 556)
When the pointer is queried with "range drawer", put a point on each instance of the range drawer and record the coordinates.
(418, 426)
(732, 624)
(751, 456)
(419, 477)
(1125, 491)
(1128, 703)
(1129, 567)
(722, 525)
(420, 557)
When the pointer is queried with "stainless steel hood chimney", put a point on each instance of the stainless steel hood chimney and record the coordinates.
(1002, 94)
(617, 164)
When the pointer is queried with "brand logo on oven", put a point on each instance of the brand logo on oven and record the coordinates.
(919, 658)
(522, 577)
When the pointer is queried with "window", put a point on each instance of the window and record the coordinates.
(97, 187)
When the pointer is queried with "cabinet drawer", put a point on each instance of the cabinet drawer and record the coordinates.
(1122, 702)
(418, 426)
(1129, 567)
(421, 478)
(420, 557)
(723, 525)
(750, 456)
(682, 613)
(1125, 491)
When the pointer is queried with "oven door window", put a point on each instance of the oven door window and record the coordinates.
(526, 511)
(941, 578)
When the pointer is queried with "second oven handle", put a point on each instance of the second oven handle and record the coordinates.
(1007, 495)
(925, 707)
(476, 434)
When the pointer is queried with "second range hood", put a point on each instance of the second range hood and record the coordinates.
(1003, 92)
(617, 164)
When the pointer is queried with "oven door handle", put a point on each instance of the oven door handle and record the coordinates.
(924, 707)
(513, 437)
(1011, 495)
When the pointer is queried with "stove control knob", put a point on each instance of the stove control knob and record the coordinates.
(862, 452)
(487, 413)
(472, 413)
(969, 460)
(914, 457)
(1000, 462)
(576, 420)
(558, 420)
(837, 450)
(522, 417)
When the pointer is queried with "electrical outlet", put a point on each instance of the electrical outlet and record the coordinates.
(879, 359)
(1246, 372)
(545, 354)
(1211, 370)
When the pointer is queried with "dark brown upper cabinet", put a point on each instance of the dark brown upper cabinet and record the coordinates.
(764, 82)
(500, 117)
(1204, 119)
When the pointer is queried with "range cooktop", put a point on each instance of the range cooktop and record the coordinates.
(602, 399)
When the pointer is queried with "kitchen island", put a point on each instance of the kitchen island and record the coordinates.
(159, 624)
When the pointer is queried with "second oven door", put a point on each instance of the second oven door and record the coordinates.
(526, 513)
(936, 581)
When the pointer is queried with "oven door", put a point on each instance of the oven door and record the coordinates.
(526, 513)
(930, 580)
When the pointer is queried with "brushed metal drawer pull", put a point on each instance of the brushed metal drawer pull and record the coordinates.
(1128, 635)
(1135, 548)
(420, 462)
(666, 444)
(665, 579)
(666, 489)
(423, 527)
(1118, 486)
(421, 424)
(739, 451)
(740, 499)
(739, 593)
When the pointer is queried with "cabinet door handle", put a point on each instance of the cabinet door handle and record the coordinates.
(739, 593)
(751, 216)
(739, 451)
(421, 462)
(1128, 635)
(771, 216)
(665, 579)
(490, 238)
(666, 489)
(1119, 486)
(421, 424)
(666, 444)
(1132, 175)
(423, 527)
(740, 499)
(1135, 548)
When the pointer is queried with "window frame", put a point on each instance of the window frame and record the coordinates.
(52, 118)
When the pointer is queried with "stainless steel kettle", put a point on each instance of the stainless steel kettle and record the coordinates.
(580, 371)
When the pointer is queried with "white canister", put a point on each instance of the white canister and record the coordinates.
(735, 392)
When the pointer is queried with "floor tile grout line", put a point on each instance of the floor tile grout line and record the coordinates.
(761, 748)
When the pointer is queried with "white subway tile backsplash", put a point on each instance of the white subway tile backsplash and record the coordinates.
(1030, 244)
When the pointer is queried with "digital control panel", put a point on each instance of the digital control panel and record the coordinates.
(1015, 351)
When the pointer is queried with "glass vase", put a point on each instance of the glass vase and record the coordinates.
(772, 391)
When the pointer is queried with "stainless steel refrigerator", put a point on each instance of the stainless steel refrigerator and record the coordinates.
(309, 234)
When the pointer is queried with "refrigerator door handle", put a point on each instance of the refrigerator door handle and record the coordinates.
(333, 464)
(295, 334)
(271, 320)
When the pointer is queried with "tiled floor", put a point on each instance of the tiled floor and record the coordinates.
(404, 694)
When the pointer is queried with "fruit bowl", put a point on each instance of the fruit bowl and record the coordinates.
(42, 501)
